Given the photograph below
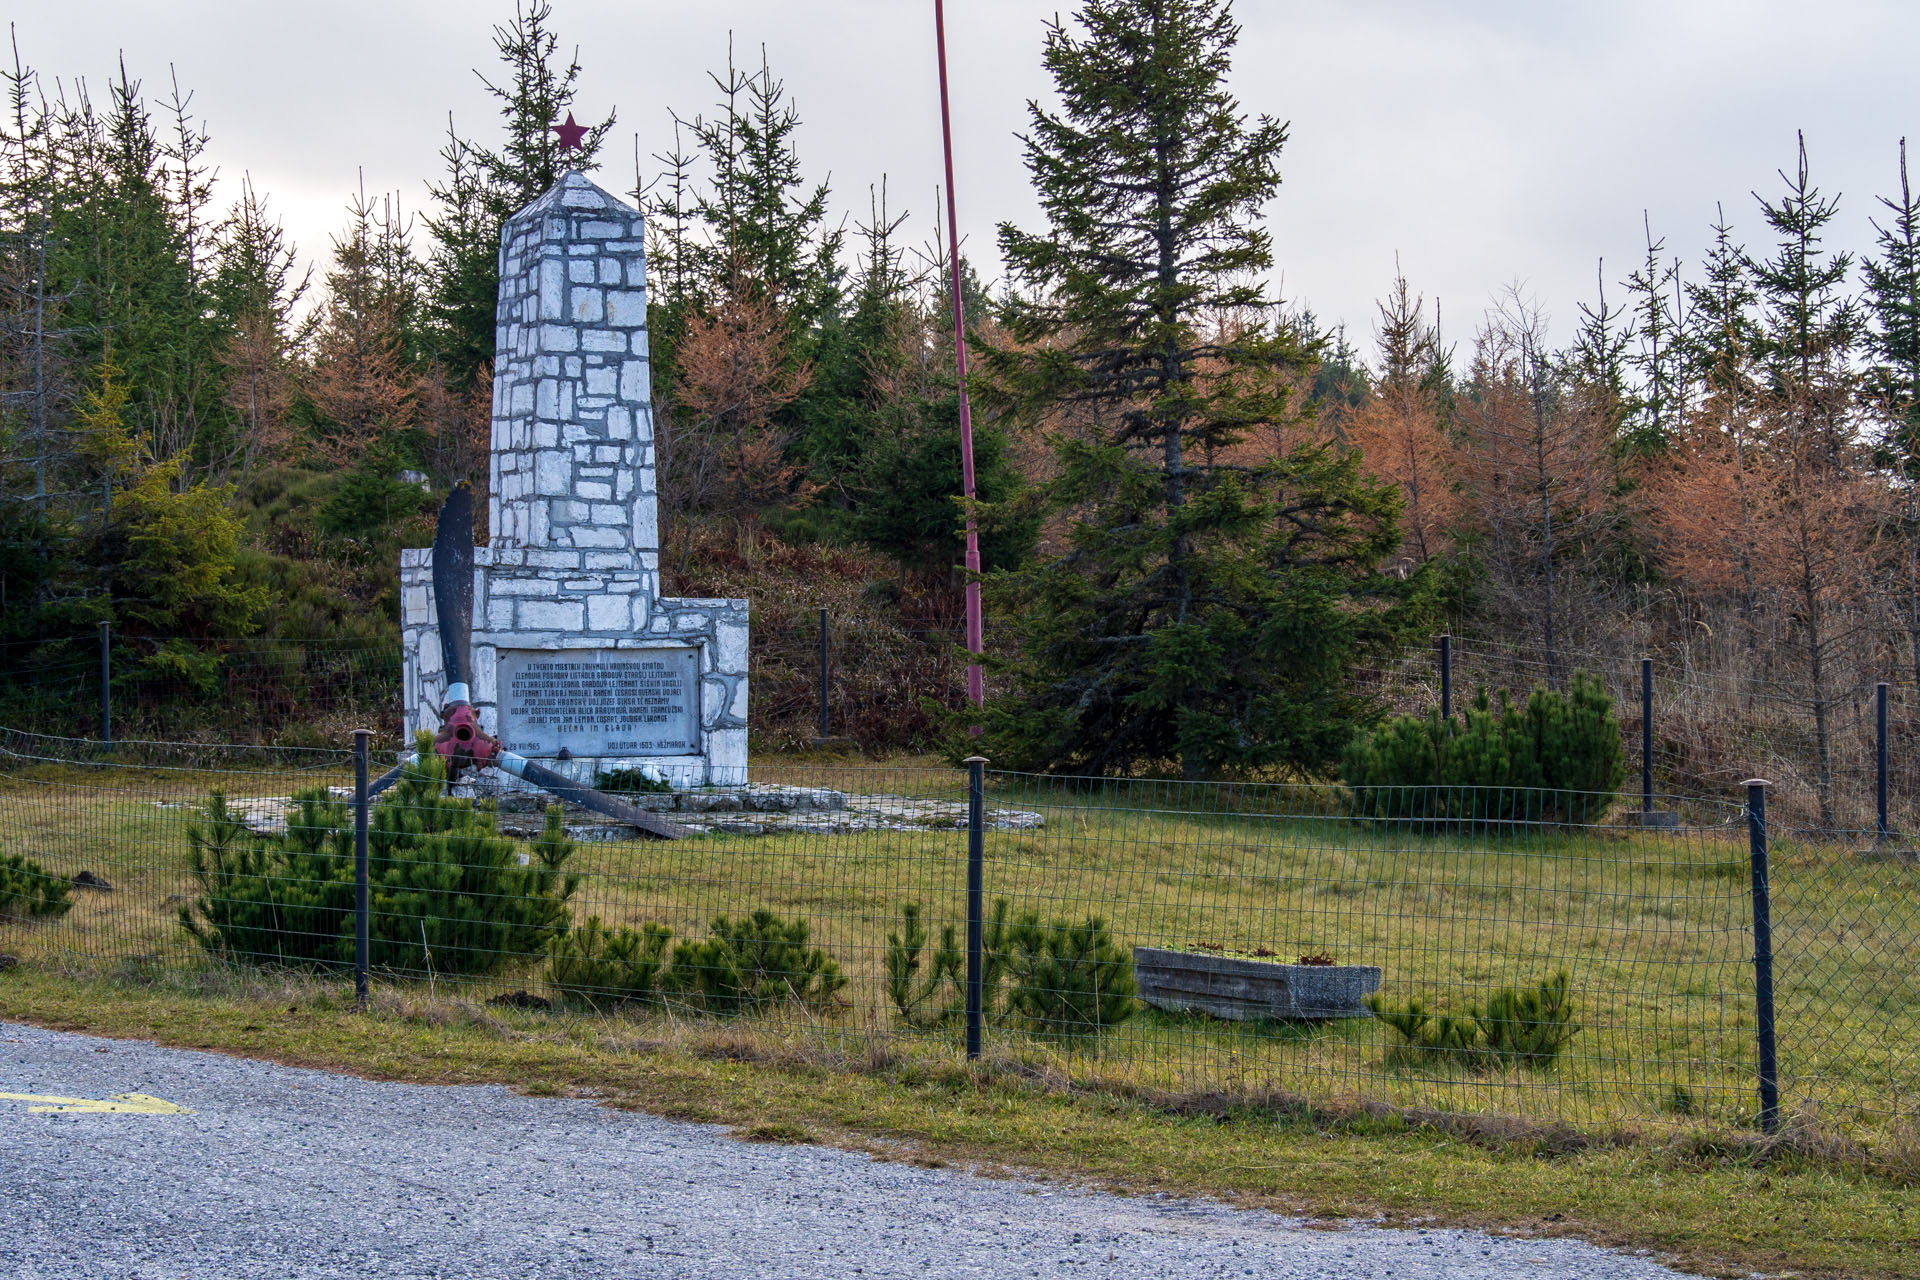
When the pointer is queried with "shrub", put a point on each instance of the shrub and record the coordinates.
(752, 964)
(446, 890)
(1059, 977)
(1555, 758)
(597, 966)
(29, 890)
(1069, 978)
(940, 994)
(645, 781)
(1526, 1026)
(1423, 1034)
(287, 900)
(448, 893)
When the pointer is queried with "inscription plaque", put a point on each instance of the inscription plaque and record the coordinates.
(600, 702)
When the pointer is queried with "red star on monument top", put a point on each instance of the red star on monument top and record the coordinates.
(570, 133)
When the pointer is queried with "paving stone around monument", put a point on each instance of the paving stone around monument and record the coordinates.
(756, 810)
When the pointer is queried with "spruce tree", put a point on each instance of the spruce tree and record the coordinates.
(765, 226)
(1596, 364)
(1721, 335)
(1657, 409)
(1206, 608)
(752, 309)
(1809, 325)
(884, 431)
(485, 186)
(1893, 295)
(671, 254)
(29, 318)
(119, 252)
(1893, 381)
(1808, 334)
(254, 290)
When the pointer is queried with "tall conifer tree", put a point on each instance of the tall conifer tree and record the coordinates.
(1204, 610)
(1893, 382)
(1655, 412)
(1893, 293)
(1597, 362)
(485, 186)
(1809, 324)
(1721, 335)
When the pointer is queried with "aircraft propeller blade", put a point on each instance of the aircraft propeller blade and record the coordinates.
(390, 777)
(453, 588)
(586, 797)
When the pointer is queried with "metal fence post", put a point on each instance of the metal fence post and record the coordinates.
(1646, 734)
(360, 888)
(1446, 675)
(106, 683)
(1763, 956)
(1881, 830)
(976, 887)
(823, 673)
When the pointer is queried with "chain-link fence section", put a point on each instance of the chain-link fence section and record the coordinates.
(1516, 954)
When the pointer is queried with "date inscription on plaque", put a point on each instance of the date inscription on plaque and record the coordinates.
(600, 702)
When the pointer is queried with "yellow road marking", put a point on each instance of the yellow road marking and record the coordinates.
(133, 1104)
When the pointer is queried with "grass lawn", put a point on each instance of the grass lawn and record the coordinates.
(1652, 928)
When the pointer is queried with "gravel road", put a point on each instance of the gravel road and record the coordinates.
(280, 1172)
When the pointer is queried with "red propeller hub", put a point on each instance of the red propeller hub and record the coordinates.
(462, 743)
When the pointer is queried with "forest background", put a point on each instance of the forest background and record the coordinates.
(204, 443)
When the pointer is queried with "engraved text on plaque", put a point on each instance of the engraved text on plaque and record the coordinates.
(600, 702)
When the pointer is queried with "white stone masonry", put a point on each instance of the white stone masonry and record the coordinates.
(574, 557)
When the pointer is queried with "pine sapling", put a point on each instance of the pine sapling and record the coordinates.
(1423, 1034)
(752, 964)
(597, 966)
(1528, 1026)
(28, 889)
(919, 1001)
(1070, 979)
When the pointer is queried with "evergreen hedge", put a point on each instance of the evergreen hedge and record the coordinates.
(1554, 758)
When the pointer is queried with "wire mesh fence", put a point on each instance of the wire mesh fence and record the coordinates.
(880, 689)
(1716, 718)
(1527, 955)
(281, 692)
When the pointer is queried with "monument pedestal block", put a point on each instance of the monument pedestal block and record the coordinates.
(607, 673)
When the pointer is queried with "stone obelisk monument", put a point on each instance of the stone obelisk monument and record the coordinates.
(576, 657)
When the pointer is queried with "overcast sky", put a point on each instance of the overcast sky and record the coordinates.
(1483, 141)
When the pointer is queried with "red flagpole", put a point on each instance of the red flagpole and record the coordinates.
(976, 690)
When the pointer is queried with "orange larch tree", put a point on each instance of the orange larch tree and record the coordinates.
(1535, 477)
(1400, 429)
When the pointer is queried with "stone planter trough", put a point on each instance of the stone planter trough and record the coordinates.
(1240, 989)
